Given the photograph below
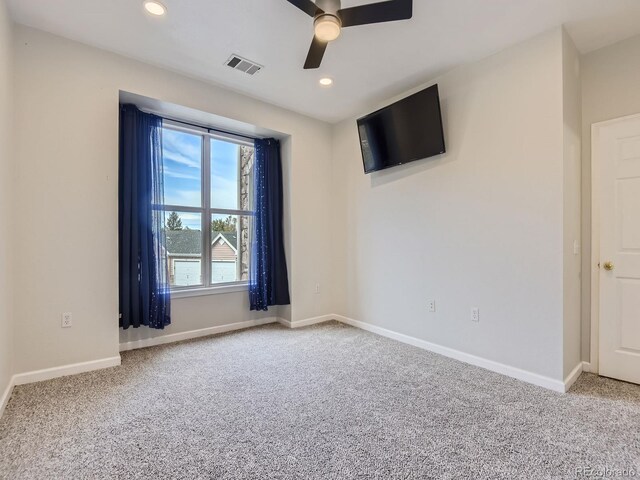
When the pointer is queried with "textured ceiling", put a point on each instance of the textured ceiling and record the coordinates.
(368, 63)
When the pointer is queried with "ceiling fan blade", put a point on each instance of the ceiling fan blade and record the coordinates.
(316, 52)
(307, 6)
(380, 12)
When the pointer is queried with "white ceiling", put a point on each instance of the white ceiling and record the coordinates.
(369, 63)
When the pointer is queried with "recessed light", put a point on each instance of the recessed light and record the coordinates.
(155, 8)
(326, 82)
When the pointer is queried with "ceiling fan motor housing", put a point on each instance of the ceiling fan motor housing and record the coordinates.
(329, 6)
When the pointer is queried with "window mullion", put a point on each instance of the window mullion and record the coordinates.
(207, 210)
(226, 211)
(206, 217)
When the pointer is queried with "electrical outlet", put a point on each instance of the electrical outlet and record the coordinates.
(431, 305)
(475, 314)
(317, 288)
(67, 320)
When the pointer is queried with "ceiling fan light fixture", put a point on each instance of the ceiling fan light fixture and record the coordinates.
(155, 8)
(327, 27)
(329, 19)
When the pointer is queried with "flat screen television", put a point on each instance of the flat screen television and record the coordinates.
(408, 130)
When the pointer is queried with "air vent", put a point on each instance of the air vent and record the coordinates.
(247, 66)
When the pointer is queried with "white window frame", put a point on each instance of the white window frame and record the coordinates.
(206, 212)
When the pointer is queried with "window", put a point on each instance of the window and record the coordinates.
(207, 207)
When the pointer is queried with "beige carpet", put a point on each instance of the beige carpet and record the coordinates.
(324, 402)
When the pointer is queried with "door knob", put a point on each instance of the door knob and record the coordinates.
(608, 266)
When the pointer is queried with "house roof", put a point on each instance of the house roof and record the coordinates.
(184, 242)
(188, 242)
(230, 237)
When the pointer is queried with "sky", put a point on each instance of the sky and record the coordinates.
(183, 170)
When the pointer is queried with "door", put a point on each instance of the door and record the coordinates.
(222, 272)
(187, 273)
(617, 149)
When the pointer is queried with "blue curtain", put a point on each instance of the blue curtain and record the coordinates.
(268, 283)
(144, 288)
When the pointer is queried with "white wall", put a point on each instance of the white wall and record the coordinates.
(610, 89)
(485, 225)
(7, 205)
(481, 226)
(67, 146)
(572, 116)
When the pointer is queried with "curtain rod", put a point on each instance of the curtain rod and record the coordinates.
(208, 129)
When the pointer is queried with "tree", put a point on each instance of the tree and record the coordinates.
(174, 222)
(224, 225)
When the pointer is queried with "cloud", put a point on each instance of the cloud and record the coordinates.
(180, 158)
(189, 198)
(175, 174)
(182, 154)
(224, 191)
(191, 220)
(182, 148)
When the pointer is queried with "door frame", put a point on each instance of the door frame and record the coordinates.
(596, 162)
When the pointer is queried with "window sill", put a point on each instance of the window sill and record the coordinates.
(217, 290)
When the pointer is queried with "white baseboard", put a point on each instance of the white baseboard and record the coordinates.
(307, 321)
(514, 372)
(524, 375)
(64, 370)
(203, 332)
(573, 376)
(587, 367)
(530, 377)
(6, 395)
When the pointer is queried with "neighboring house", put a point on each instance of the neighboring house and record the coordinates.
(224, 257)
(184, 255)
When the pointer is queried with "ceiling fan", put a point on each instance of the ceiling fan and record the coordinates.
(330, 18)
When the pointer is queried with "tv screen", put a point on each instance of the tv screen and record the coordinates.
(403, 132)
